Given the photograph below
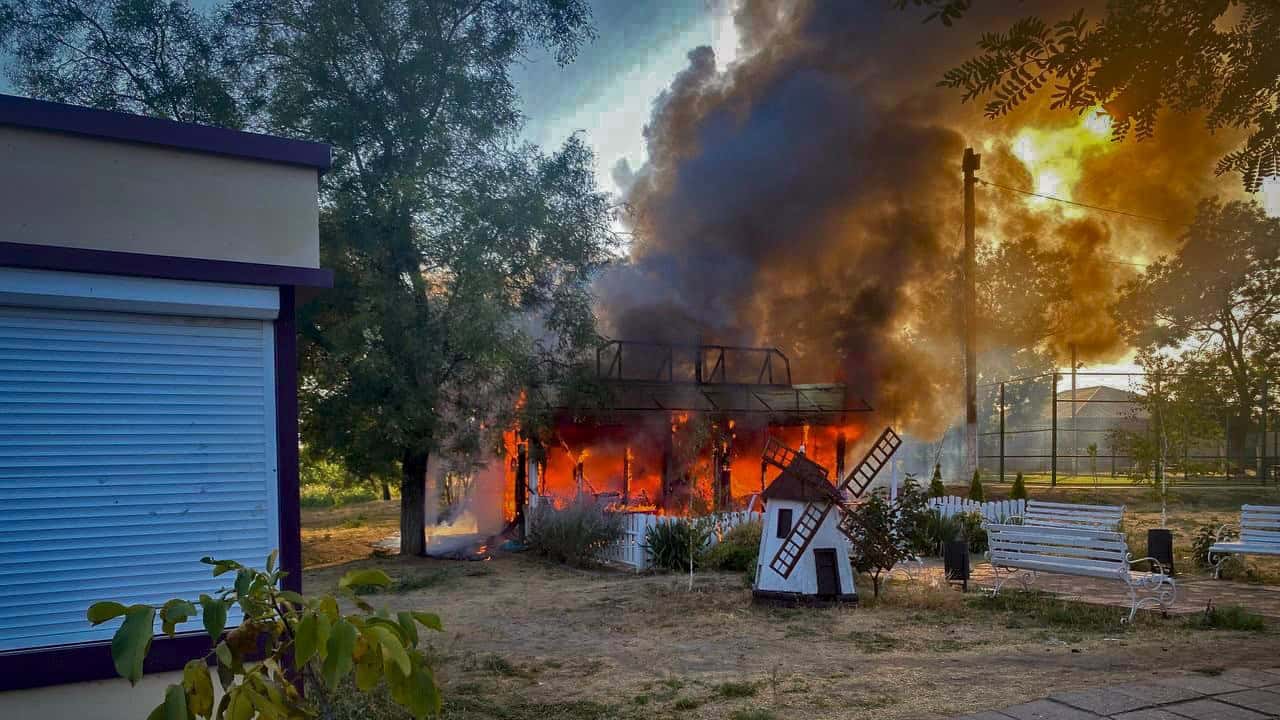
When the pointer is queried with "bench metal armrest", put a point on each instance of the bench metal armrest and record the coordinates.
(1221, 534)
(1159, 566)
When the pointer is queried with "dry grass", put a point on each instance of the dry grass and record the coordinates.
(529, 639)
(340, 535)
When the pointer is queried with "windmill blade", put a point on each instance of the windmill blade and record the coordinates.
(778, 454)
(802, 533)
(859, 479)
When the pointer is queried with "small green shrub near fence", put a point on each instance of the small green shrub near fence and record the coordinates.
(738, 550)
(674, 545)
(316, 496)
(575, 535)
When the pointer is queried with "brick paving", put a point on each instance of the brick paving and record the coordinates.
(1237, 694)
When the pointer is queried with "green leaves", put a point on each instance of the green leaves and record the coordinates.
(132, 641)
(357, 579)
(339, 649)
(175, 703)
(214, 615)
(199, 688)
(311, 634)
(101, 612)
(175, 612)
(276, 623)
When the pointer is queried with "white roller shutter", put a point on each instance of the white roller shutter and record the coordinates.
(131, 445)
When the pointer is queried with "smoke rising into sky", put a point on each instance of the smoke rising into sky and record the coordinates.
(808, 196)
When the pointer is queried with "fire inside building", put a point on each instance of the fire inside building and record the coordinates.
(679, 429)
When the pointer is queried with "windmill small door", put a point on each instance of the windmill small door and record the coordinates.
(804, 551)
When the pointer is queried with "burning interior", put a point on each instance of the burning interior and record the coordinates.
(678, 429)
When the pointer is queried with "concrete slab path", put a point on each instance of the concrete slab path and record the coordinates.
(1236, 694)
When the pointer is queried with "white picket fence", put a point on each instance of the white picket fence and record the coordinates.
(995, 511)
(630, 549)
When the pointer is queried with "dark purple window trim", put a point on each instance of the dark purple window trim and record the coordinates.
(92, 661)
(109, 262)
(76, 120)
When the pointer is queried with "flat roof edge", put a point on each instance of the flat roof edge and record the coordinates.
(109, 125)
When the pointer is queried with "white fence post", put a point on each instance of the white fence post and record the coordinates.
(994, 511)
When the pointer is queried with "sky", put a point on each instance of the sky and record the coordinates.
(608, 91)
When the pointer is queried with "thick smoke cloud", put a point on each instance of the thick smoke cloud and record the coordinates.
(808, 197)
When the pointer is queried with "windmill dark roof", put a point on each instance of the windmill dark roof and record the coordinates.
(802, 480)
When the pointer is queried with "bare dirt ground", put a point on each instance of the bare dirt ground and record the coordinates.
(646, 645)
(527, 639)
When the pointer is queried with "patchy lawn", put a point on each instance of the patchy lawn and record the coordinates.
(525, 639)
(339, 535)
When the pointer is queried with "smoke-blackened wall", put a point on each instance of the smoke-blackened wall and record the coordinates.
(808, 197)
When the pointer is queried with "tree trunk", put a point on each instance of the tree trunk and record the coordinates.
(413, 495)
(386, 490)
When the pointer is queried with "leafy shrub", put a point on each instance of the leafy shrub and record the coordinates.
(960, 526)
(876, 540)
(971, 530)
(281, 632)
(674, 545)
(575, 535)
(738, 550)
(1205, 536)
(942, 529)
(315, 495)
(914, 519)
(936, 488)
(976, 492)
(1019, 489)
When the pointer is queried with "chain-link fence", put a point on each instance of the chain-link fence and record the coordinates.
(1130, 427)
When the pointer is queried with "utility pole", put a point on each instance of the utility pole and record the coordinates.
(1075, 432)
(971, 163)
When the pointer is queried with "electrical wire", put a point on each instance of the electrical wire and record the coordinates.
(1126, 213)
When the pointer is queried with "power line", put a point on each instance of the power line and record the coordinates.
(1126, 213)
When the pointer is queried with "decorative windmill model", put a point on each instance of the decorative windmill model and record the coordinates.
(806, 523)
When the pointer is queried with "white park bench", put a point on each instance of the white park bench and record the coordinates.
(1024, 551)
(1259, 535)
(1098, 517)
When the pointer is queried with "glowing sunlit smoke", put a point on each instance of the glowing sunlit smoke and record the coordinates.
(1054, 156)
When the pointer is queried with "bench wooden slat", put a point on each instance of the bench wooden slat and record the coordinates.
(1119, 509)
(1245, 548)
(1047, 565)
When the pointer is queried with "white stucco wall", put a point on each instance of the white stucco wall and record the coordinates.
(82, 192)
(804, 577)
(99, 700)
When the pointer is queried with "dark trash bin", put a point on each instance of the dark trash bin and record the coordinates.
(955, 562)
(1160, 547)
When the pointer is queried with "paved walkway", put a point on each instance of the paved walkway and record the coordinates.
(1239, 694)
(1194, 592)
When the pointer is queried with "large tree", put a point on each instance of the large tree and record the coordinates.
(454, 246)
(1135, 60)
(1219, 296)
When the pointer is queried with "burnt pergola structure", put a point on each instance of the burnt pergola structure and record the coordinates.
(648, 383)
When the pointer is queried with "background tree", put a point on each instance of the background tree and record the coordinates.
(153, 57)
(460, 255)
(1139, 58)
(1216, 298)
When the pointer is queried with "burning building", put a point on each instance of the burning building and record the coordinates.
(673, 428)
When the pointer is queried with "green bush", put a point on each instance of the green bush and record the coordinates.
(915, 518)
(971, 530)
(1019, 490)
(738, 550)
(575, 535)
(936, 488)
(674, 545)
(976, 492)
(315, 496)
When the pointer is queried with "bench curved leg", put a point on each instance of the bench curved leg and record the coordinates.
(1157, 591)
